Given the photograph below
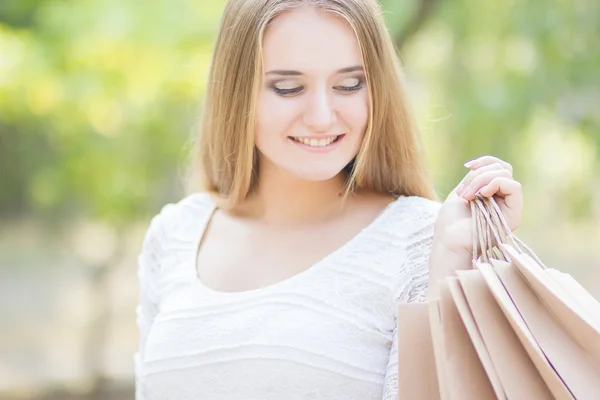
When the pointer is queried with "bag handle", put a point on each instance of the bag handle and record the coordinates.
(488, 224)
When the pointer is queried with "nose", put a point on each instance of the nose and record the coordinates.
(320, 115)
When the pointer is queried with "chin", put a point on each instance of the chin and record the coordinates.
(317, 174)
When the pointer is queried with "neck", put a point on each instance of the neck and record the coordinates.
(281, 198)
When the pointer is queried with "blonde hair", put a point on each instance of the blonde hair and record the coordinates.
(391, 158)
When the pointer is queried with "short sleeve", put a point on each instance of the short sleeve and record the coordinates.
(418, 249)
(148, 268)
(418, 253)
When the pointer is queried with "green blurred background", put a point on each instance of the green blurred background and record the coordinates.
(99, 100)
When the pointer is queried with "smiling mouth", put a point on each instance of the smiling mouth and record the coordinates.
(314, 142)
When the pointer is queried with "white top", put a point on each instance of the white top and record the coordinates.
(327, 333)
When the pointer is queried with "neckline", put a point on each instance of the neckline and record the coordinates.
(207, 218)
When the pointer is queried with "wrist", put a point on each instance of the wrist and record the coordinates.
(455, 238)
(449, 258)
(444, 262)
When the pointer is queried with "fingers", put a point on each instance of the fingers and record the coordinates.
(511, 201)
(487, 160)
(468, 179)
(491, 176)
(509, 189)
(482, 180)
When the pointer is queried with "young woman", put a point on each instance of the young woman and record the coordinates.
(281, 278)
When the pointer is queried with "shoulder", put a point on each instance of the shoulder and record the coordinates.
(413, 214)
(195, 204)
(179, 216)
(418, 204)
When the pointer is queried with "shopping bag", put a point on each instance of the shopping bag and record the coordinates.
(474, 335)
(587, 304)
(511, 366)
(437, 339)
(509, 328)
(552, 380)
(568, 358)
(580, 326)
(543, 316)
(417, 378)
(466, 377)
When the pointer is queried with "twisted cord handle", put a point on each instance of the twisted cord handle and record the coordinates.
(488, 224)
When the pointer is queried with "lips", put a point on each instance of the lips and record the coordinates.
(319, 141)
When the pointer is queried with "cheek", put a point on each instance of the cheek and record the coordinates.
(275, 115)
(355, 112)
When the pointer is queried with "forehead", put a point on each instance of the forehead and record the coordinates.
(310, 40)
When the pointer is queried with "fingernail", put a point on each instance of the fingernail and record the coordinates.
(469, 164)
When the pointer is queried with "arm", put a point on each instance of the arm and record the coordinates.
(418, 251)
(447, 246)
(148, 267)
(453, 243)
(443, 263)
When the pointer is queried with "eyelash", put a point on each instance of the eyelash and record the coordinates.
(285, 92)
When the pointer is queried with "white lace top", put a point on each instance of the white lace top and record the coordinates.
(327, 333)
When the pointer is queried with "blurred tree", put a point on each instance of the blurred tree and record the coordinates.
(508, 76)
(97, 99)
(97, 102)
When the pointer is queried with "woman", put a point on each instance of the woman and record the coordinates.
(281, 278)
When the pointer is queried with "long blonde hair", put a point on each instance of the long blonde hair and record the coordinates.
(391, 158)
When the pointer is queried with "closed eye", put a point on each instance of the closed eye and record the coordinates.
(354, 84)
(287, 92)
(357, 86)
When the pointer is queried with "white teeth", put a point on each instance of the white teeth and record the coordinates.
(316, 142)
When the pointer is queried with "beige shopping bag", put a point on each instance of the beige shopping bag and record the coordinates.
(466, 377)
(562, 305)
(417, 378)
(588, 305)
(545, 319)
(468, 320)
(511, 365)
(437, 338)
(571, 362)
(553, 381)
(508, 329)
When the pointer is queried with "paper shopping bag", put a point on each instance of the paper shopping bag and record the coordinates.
(466, 377)
(518, 376)
(511, 328)
(547, 339)
(468, 320)
(437, 338)
(417, 378)
(588, 305)
(562, 306)
(571, 362)
(553, 381)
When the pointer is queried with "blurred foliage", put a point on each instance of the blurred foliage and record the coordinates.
(97, 101)
(99, 98)
(507, 75)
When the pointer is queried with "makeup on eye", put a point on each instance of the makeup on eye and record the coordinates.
(287, 88)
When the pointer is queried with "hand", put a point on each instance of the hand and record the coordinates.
(489, 176)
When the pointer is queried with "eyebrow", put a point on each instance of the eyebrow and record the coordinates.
(286, 72)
